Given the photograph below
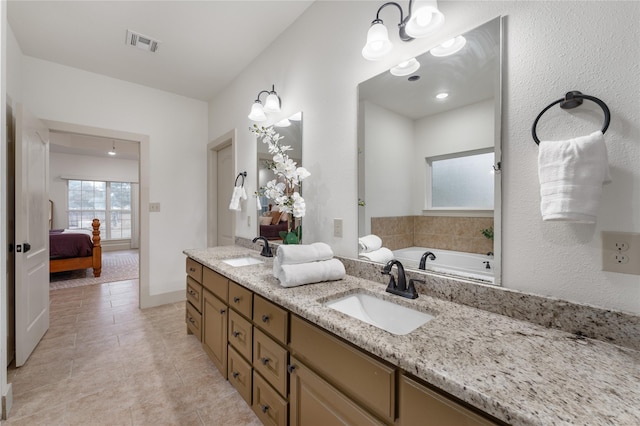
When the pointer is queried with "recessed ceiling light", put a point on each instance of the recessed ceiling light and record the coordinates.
(442, 95)
(142, 42)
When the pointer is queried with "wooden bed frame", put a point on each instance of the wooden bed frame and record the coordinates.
(94, 261)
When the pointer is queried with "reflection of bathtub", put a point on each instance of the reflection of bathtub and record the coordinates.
(468, 265)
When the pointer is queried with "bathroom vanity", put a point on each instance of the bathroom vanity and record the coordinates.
(296, 361)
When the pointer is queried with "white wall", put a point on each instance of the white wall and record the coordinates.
(596, 53)
(176, 127)
(83, 167)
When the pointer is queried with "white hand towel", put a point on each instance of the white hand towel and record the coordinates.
(312, 272)
(243, 193)
(571, 174)
(369, 243)
(382, 255)
(235, 199)
(291, 254)
(258, 203)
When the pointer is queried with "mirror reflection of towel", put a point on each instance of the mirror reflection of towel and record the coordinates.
(369, 243)
(382, 255)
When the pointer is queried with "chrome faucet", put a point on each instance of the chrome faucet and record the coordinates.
(266, 250)
(400, 289)
(423, 259)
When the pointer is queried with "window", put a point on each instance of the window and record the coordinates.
(110, 202)
(461, 181)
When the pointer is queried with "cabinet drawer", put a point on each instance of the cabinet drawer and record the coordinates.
(194, 293)
(316, 402)
(359, 376)
(270, 407)
(240, 375)
(420, 405)
(194, 269)
(240, 334)
(270, 360)
(194, 321)
(271, 318)
(215, 283)
(240, 299)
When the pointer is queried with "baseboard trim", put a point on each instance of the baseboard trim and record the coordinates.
(150, 301)
(7, 402)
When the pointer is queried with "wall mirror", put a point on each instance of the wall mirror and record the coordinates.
(429, 159)
(270, 223)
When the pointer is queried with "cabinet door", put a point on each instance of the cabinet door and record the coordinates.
(420, 406)
(315, 402)
(214, 330)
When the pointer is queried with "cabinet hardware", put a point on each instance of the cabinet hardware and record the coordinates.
(191, 292)
(192, 269)
(236, 333)
(236, 299)
(265, 318)
(290, 368)
(191, 320)
(264, 408)
(235, 374)
(222, 311)
(264, 360)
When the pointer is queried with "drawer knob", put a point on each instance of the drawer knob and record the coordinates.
(236, 299)
(264, 408)
(290, 368)
(235, 374)
(192, 269)
(191, 292)
(191, 320)
(236, 333)
(265, 318)
(222, 311)
(264, 360)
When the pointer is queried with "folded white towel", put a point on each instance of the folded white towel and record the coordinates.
(235, 198)
(312, 272)
(382, 255)
(291, 254)
(369, 243)
(258, 203)
(571, 174)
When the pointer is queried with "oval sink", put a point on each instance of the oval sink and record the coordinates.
(242, 261)
(396, 319)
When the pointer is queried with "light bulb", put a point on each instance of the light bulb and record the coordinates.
(272, 103)
(425, 19)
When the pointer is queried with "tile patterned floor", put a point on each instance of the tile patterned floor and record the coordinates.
(106, 362)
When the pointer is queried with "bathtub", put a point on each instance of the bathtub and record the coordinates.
(469, 265)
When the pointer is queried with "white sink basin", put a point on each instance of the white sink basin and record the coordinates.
(381, 313)
(242, 261)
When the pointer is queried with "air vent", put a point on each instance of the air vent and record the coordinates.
(142, 41)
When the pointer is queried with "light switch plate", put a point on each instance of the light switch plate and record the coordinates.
(337, 228)
(154, 207)
(621, 252)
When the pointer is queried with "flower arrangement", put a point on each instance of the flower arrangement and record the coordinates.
(284, 189)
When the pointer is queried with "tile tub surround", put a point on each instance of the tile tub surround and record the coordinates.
(519, 372)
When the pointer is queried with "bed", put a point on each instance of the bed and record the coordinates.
(75, 249)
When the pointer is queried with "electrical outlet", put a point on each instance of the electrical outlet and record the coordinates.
(621, 252)
(249, 221)
(337, 228)
(154, 207)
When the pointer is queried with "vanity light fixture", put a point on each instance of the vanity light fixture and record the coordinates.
(113, 149)
(423, 19)
(405, 68)
(449, 47)
(442, 95)
(271, 104)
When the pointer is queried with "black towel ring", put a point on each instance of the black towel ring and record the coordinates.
(244, 175)
(572, 100)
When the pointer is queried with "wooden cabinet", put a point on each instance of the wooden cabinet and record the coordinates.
(193, 307)
(194, 321)
(216, 284)
(240, 375)
(271, 408)
(214, 330)
(241, 335)
(315, 402)
(194, 270)
(271, 318)
(422, 406)
(270, 360)
(241, 299)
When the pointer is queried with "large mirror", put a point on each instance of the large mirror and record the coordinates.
(271, 222)
(429, 159)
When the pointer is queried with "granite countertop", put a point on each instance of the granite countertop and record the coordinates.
(519, 372)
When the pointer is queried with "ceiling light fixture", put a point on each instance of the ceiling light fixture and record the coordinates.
(405, 68)
(271, 104)
(142, 41)
(449, 47)
(442, 95)
(423, 19)
(113, 149)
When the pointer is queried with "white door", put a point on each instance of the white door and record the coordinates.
(32, 236)
(225, 180)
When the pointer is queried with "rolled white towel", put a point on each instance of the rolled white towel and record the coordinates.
(382, 255)
(312, 272)
(369, 243)
(291, 254)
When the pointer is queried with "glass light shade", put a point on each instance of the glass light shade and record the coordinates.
(257, 112)
(449, 47)
(425, 19)
(378, 43)
(405, 68)
(272, 103)
(283, 123)
(297, 116)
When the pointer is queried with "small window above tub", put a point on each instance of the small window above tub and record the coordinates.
(460, 181)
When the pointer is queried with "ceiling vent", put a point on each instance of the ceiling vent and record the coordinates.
(142, 41)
